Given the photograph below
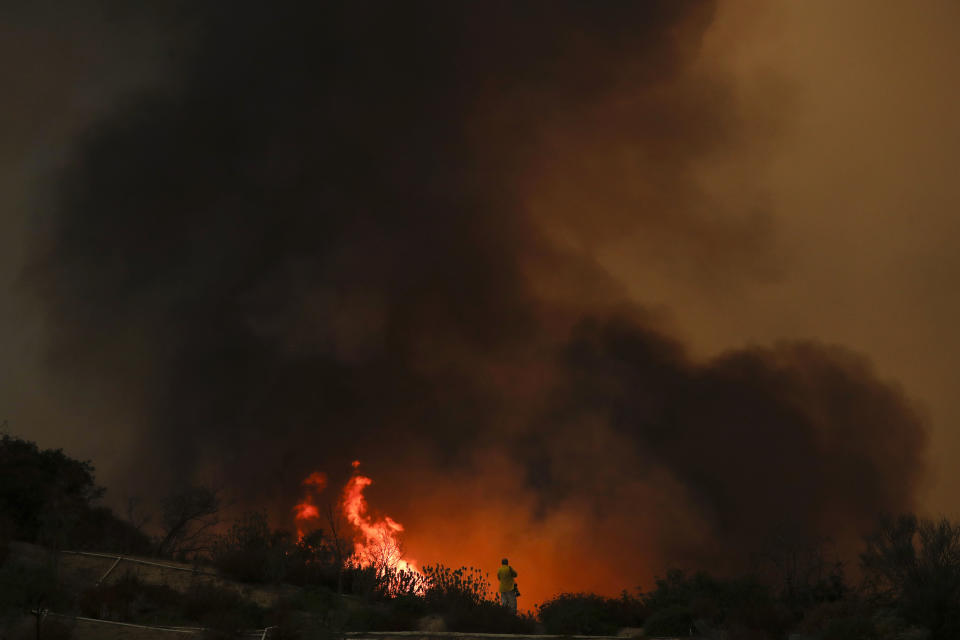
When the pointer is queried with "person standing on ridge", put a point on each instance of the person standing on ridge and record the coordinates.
(508, 588)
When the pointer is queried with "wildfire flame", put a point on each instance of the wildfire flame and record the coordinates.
(376, 541)
(305, 510)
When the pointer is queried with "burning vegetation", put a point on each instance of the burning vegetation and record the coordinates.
(377, 541)
(911, 570)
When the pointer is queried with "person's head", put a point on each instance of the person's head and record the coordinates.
(504, 561)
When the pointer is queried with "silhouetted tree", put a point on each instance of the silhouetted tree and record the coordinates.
(251, 552)
(187, 518)
(43, 492)
(913, 565)
(801, 568)
(339, 546)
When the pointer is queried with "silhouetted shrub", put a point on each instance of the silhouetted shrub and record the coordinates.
(675, 620)
(364, 582)
(489, 617)
(589, 614)
(391, 614)
(250, 552)
(406, 610)
(312, 561)
(465, 600)
(446, 589)
(739, 606)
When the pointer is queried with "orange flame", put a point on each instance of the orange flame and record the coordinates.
(316, 479)
(376, 541)
(306, 510)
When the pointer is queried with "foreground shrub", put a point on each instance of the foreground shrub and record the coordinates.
(461, 597)
(365, 582)
(446, 589)
(855, 618)
(489, 617)
(675, 620)
(313, 561)
(466, 602)
(589, 614)
(250, 552)
(400, 614)
(405, 611)
(739, 607)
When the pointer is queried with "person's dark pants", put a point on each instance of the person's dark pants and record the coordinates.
(509, 600)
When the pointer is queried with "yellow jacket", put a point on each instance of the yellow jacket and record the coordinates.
(506, 574)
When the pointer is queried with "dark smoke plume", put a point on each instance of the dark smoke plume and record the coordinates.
(319, 245)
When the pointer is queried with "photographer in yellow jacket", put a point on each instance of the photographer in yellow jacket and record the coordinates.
(508, 587)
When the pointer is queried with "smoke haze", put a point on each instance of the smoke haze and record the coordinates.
(417, 235)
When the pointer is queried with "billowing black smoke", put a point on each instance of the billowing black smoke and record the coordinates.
(317, 247)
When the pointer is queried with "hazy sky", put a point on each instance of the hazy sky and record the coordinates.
(863, 181)
(741, 176)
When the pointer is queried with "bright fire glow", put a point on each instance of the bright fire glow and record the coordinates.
(376, 540)
(306, 511)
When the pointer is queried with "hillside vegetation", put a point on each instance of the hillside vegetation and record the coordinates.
(225, 579)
